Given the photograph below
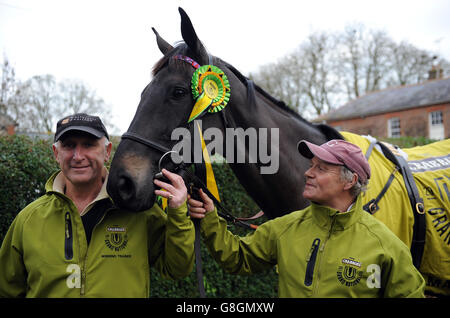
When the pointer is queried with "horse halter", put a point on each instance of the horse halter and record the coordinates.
(227, 123)
(209, 77)
(151, 144)
(145, 142)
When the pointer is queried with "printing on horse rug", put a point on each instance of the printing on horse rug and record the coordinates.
(430, 167)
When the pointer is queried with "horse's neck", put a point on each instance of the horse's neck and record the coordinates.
(264, 113)
(284, 131)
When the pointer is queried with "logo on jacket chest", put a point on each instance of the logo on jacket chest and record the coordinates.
(349, 273)
(116, 238)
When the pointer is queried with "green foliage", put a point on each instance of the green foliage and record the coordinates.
(25, 165)
(217, 282)
(408, 142)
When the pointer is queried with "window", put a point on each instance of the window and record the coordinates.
(436, 127)
(436, 118)
(394, 127)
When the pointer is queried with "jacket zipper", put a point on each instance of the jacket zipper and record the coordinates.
(316, 285)
(83, 271)
(311, 260)
(68, 238)
(329, 233)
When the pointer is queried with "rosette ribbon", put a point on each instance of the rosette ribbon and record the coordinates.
(210, 90)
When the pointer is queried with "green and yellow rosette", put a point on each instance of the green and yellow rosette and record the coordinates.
(210, 90)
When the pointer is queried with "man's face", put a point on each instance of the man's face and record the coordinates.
(81, 158)
(324, 184)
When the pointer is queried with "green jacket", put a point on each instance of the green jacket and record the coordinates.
(45, 252)
(320, 253)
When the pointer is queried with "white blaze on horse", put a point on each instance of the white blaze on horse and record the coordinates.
(174, 98)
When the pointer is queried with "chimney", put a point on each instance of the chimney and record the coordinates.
(436, 71)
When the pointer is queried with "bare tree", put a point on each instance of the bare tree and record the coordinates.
(8, 84)
(36, 104)
(41, 96)
(304, 78)
(364, 60)
(76, 97)
(409, 64)
(328, 69)
(317, 58)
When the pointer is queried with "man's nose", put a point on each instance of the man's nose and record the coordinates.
(77, 153)
(309, 173)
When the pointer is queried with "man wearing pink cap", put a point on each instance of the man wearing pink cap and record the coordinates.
(337, 158)
(333, 248)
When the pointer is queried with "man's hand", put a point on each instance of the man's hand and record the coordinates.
(176, 192)
(198, 209)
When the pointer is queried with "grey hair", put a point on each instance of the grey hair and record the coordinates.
(358, 187)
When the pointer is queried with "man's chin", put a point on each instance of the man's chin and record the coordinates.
(80, 179)
(307, 195)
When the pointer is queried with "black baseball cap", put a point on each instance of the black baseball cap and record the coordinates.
(81, 122)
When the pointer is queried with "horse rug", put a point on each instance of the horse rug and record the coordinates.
(430, 167)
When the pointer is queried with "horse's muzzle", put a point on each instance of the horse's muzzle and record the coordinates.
(125, 193)
(126, 189)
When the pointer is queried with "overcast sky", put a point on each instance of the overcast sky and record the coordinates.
(110, 46)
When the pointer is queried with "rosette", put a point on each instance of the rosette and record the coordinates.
(210, 90)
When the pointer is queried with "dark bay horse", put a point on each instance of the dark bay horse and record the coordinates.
(167, 105)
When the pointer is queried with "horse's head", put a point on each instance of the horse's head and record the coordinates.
(166, 104)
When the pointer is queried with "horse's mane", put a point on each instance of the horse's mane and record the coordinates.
(328, 131)
(182, 48)
(260, 90)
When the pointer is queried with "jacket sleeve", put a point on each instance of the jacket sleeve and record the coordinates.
(171, 239)
(400, 276)
(239, 255)
(13, 276)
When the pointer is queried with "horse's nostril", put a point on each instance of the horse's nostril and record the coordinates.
(126, 188)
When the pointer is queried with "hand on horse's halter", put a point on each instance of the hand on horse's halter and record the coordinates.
(175, 191)
(198, 209)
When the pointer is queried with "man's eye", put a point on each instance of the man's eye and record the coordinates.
(68, 145)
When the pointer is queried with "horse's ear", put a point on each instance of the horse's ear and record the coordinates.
(189, 35)
(163, 46)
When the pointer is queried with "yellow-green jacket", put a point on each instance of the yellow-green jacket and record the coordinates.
(45, 252)
(320, 253)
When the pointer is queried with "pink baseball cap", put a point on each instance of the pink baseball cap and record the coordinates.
(338, 152)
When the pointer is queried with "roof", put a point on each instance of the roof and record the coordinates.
(393, 99)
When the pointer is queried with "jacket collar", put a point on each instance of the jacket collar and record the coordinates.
(56, 183)
(323, 216)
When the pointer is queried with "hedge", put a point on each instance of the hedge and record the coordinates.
(217, 282)
(25, 166)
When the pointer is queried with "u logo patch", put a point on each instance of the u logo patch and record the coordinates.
(349, 273)
(116, 238)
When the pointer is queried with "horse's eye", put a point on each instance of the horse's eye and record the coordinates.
(179, 92)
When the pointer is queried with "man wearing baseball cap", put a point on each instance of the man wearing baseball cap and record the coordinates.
(73, 241)
(333, 248)
(81, 122)
(339, 156)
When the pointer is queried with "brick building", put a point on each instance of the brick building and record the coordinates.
(7, 125)
(412, 110)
